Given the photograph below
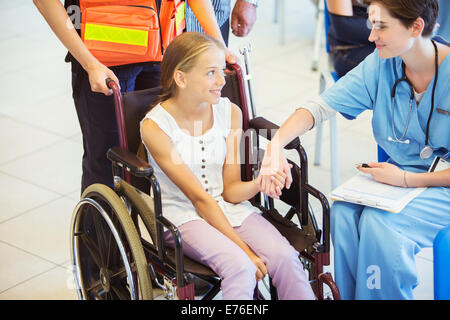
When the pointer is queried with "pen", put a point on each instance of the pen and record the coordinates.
(446, 156)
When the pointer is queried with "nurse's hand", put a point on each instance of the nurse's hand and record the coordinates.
(277, 182)
(385, 173)
(274, 166)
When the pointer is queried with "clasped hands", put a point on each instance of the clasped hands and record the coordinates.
(275, 173)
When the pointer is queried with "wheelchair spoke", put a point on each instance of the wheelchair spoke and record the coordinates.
(93, 250)
(118, 288)
(101, 238)
(96, 289)
(121, 291)
(112, 248)
(120, 275)
(109, 250)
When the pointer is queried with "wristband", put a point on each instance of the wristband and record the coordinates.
(404, 179)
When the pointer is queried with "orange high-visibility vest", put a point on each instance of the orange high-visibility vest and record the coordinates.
(119, 32)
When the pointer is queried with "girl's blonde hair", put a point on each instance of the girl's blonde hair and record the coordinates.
(182, 54)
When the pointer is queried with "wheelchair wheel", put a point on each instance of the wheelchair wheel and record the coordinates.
(107, 253)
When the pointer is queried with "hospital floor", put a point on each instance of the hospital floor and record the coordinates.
(40, 161)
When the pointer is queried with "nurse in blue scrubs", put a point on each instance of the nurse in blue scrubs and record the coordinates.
(405, 83)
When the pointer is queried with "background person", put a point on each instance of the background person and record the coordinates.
(348, 34)
(94, 105)
(243, 17)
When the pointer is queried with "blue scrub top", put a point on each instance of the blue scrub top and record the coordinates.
(369, 86)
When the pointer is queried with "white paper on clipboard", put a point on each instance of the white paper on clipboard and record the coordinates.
(363, 189)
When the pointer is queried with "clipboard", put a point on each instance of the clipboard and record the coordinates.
(364, 190)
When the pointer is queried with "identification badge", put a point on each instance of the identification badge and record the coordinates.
(439, 164)
(442, 111)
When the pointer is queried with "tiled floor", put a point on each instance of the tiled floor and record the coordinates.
(40, 164)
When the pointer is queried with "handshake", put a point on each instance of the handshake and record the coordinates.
(275, 172)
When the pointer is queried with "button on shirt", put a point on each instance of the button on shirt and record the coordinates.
(205, 156)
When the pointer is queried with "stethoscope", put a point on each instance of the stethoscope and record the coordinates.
(427, 151)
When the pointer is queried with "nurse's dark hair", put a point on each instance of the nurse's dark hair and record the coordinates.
(407, 11)
(182, 54)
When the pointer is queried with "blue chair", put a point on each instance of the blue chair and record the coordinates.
(441, 264)
(327, 78)
(382, 155)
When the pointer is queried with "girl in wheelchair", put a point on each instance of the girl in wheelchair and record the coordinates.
(192, 137)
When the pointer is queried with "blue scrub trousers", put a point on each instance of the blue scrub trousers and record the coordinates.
(97, 117)
(375, 250)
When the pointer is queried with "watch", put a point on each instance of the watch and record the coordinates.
(253, 2)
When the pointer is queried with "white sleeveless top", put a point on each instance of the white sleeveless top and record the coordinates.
(205, 156)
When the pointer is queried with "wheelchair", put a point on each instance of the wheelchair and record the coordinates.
(117, 243)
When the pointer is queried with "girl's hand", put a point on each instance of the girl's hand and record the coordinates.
(261, 269)
(385, 173)
(274, 168)
(277, 182)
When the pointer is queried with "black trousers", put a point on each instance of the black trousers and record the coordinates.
(97, 117)
(346, 60)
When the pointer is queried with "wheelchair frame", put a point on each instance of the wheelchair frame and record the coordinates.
(158, 258)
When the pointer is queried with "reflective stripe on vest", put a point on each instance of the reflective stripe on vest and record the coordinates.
(119, 32)
(116, 34)
(180, 23)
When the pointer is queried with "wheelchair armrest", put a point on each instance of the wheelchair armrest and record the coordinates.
(325, 217)
(179, 262)
(172, 228)
(129, 161)
(268, 129)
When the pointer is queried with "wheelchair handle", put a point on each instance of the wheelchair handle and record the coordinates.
(245, 51)
(110, 83)
(118, 104)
